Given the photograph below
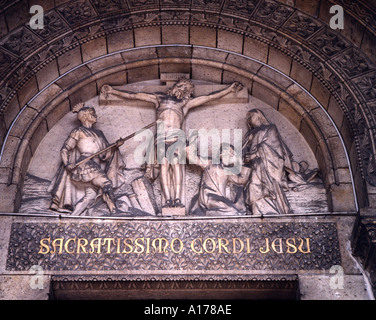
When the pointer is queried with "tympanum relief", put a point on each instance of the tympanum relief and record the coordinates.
(87, 164)
(191, 148)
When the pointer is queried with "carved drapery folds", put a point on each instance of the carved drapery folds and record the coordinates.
(255, 175)
(288, 56)
(337, 64)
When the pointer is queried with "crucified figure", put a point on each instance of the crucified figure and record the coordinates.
(172, 109)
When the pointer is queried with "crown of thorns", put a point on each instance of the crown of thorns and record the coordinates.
(185, 80)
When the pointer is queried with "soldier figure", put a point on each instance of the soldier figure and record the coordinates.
(96, 177)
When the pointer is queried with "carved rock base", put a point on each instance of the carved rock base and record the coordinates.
(145, 195)
(169, 212)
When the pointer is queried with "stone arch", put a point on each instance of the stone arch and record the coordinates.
(321, 80)
(279, 91)
(316, 58)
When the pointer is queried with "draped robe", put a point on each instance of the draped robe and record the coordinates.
(66, 187)
(264, 191)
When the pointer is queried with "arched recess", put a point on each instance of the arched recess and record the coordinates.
(294, 39)
(217, 65)
(335, 67)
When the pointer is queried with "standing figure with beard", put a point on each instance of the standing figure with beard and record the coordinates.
(172, 109)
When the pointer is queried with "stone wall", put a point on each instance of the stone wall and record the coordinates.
(283, 52)
(308, 65)
(329, 272)
(278, 91)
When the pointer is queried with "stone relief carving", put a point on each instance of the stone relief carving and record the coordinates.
(302, 25)
(271, 167)
(6, 60)
(131, 282)
(55, 24)
(297, 23)
(212, 199)
(82, 168)
(353, 63)
(20, 41)
(172, 109)
(113, 5)
(329, 42)
(274, 12)
(260, 177)
(77, 11)
(243, 6)
(367, 85)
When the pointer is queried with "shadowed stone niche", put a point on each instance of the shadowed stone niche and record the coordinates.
(235, 287)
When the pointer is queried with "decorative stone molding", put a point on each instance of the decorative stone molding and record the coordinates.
(293, 103)
(192, 246)
(261, 286)
(295, 34)
(363, 245)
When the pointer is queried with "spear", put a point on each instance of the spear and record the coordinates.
(114, 144)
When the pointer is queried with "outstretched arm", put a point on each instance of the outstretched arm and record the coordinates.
(203, 163)
(235, 87)
(242, 178)
(148, 97)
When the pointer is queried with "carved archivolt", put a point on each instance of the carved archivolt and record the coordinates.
(346, 73)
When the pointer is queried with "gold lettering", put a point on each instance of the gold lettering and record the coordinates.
(60, 245)
(193, 246)
(82, 246)
(277, 247)
(222, 245)
(139, 245)
(248, 246)
(109, 242)
(267, 249)
(66, 245)
(44, 246)
(96, 245)
(181, 246)
(234, 240)
(128, 245)
(118, 245)
(213, 245)
(301, 245)
(291, 245)
(147, 245)
(160, 240)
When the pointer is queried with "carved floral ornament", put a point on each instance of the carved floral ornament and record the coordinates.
(174, 246)
(284, 26)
